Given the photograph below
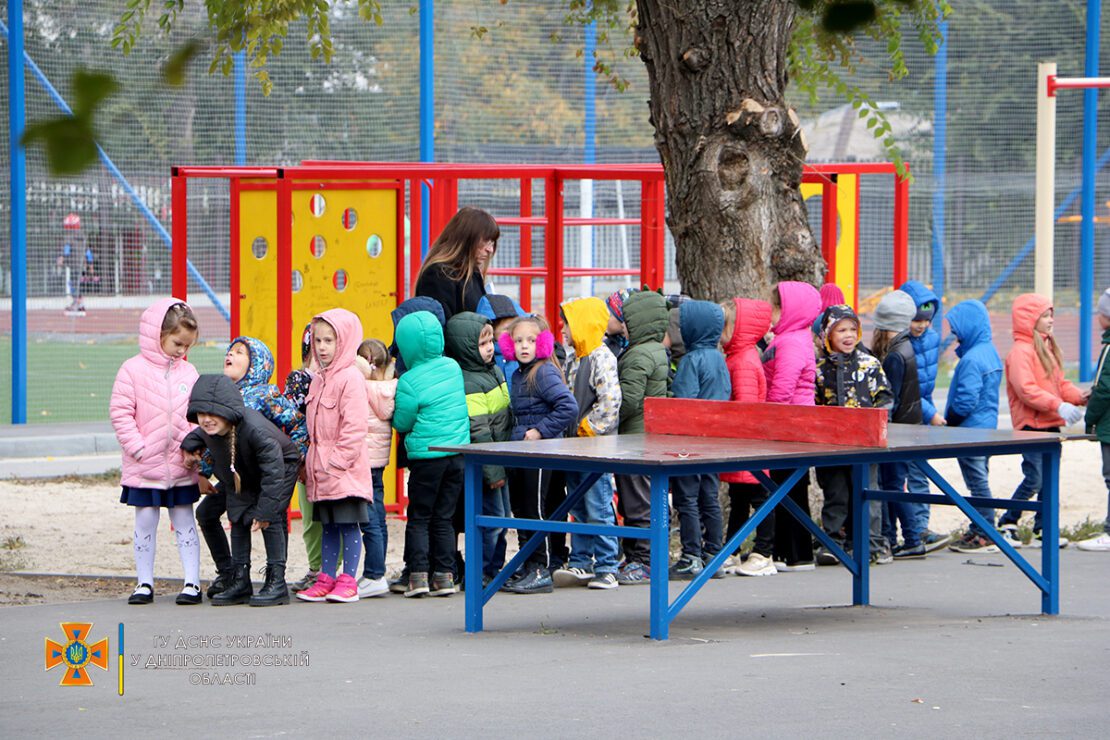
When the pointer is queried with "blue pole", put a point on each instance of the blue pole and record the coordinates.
(18, 167)
(940, 148)
(427, 108)
(114, 171)
(1087, 205)
(241, 109)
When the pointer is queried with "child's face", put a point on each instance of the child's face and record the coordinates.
(213, 426)
(1045, 323)
(917, 328)
(485, 344)
(1103, 322)
(615, 325)
(666, 340)
(568, 340)
(500, 326)
(323, 340)
(843, 336)
(730, 327)
(177, 343)
(524, 342)
(237, 361)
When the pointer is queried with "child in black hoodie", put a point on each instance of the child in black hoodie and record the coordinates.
(256, 466)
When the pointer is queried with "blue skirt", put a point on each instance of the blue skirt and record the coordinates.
(176, 496)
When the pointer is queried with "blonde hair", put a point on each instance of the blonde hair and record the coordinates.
(541, 326)
(458, 243)
(179, 316)
(1048, 352)
(729, 309)
(232, 436)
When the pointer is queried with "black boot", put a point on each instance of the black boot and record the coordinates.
(240, 590)
(221, 582)
(273, 591)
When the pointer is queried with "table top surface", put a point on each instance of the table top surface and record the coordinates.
(672, 450)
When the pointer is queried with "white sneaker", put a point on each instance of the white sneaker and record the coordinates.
(1037, 542)
(1010, 534)
(569, 577)
(756, 565)
(1096, 544)
(368, 587)
(731, 565)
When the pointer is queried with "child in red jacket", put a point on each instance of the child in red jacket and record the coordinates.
(746, 322)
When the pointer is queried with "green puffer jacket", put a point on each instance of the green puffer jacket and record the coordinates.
(1098, 407)
(431, 401)
(487, 393)
(643, 366)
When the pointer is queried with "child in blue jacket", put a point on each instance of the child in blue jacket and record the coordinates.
(973, 403)
(926, 349)
(702, 373)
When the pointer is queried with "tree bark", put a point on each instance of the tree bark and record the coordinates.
(732, 149)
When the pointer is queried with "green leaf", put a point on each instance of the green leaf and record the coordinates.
(90, 88)
(173, 71)
(68, 141)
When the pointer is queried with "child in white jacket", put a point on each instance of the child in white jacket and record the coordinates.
(381, 388)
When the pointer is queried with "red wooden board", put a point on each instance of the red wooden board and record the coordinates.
(771, 421)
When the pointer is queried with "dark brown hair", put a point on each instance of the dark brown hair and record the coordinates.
(374, 351)
(458, 243)
(179, 316)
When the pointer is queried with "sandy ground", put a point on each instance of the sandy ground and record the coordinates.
(79, 528)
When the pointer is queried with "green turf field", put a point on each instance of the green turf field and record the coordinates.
(72, 381)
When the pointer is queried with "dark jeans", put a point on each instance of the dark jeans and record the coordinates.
(494, 503)
(744, 499)
(209, 511)
(274, 537)
(793, 542)
(554, 494)
(1030, 485)
(836, 512)
(526, 496)
(634, 507)
(434, 488)
(892, 477)
(375, 536)
(1106, 478)
(974, 471)
(699, 514)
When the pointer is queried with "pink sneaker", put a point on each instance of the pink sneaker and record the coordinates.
(345, 589)
(319, 590)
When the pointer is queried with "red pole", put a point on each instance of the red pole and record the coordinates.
(901, 228)
(233, 254)
(416, 226)
(526, 242)
(284, 274)
(828, 227)
(179, 254)
(553, 250)
(652, 234)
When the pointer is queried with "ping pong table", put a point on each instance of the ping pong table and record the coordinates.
(662, 456)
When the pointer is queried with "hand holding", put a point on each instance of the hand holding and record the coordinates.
(532, 435)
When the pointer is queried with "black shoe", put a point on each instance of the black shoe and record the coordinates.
(240, 590)
(824, 556)
(273, 591)
(189, 595)
(220, 583)
(143, 594)
(904, 552)
(537, 581)
(442, 585)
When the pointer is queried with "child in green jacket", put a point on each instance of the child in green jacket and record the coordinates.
(1098, 418)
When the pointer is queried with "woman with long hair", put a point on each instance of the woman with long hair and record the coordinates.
(454, 271)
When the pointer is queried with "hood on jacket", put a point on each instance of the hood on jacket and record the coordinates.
(150, 330)
(1027, 309)
(645, 315)
(348, 336)
(925, 299)
(895, 312)
(495, 307)
(835, 314)
(831, 295)
(587, 319)
(461, 338)
(419, 338)
(217, 395)
(753, 321)
(261, 365)
(419, 303)
(971, 323)
(800, 302)
(701, 324)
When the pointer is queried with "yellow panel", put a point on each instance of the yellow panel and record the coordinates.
(847, 209)
(257, 284)
(371, 286)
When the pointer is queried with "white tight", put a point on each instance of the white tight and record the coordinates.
(146, 537)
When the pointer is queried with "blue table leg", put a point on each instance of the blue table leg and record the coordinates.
(861, 536)
(660, 556)
(473, 500)
(1050, 531)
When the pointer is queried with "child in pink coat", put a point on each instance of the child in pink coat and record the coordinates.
(381, 388)
(149, 400)
(337, 469)
(790, 365)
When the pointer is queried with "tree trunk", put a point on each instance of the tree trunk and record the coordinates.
(732, 150)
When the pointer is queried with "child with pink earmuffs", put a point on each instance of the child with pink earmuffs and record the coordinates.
(543, 408)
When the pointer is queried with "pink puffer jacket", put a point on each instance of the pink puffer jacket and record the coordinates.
(790, 362)
(379, 435)
(149, 399)
(338, 413)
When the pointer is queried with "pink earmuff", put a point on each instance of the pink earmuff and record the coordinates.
(545, 345)
(508, 349)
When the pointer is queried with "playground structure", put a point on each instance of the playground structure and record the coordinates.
(332, 234)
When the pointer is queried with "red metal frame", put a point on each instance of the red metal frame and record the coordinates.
(1055, 83)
